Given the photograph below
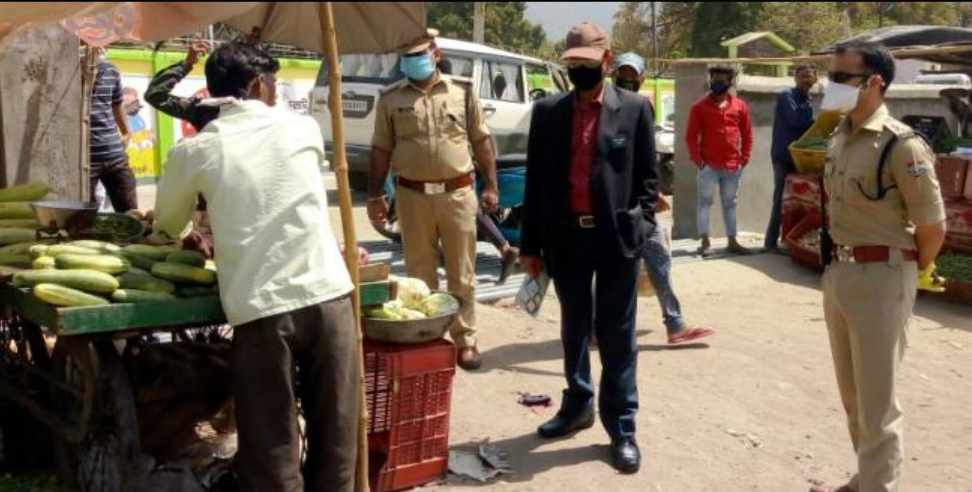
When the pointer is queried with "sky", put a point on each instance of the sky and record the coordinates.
(557, 17)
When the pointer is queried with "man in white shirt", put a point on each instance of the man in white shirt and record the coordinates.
(282, 281)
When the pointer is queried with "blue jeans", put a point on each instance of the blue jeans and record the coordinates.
(658, 263)
(597, 295)
(728, 184)
(780, 172)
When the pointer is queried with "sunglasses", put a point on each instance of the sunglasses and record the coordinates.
(844, 77)
(580, 63)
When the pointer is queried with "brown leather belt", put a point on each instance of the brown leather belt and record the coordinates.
(437, 187)
(870, 254)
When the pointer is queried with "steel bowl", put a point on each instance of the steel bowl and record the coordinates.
(409, 331)
(68, 215)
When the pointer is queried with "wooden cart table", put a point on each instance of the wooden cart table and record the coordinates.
(82, 388)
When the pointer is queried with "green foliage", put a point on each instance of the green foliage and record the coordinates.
(718, 21)
(506, 26)
(698, 28)
(35, 483)
(788, 21)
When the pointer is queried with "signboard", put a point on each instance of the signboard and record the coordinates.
(154, 133)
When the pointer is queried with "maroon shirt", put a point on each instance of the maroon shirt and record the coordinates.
(583, 146)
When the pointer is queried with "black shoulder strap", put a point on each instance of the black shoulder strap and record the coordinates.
(882, 191)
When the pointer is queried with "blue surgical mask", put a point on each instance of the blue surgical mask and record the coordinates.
(418, 68)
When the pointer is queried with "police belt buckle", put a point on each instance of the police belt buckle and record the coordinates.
(586, 222)
(844, 254)
(434, 188)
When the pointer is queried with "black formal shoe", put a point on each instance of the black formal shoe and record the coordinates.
(625, 456)
(564, 424)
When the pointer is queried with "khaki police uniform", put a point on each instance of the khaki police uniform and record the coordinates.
(868, 304)
(429, 134)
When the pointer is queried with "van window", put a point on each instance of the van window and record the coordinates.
(538, 77)
(365, 68)
(501, 82)
(456, 65)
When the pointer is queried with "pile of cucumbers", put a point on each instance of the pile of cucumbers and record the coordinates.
(93, 273)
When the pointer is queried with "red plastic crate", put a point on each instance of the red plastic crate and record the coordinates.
(409, 394)
(952, 172)
(803, 188)
(798, 253)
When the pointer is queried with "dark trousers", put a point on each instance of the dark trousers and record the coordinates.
(316, 348)
(597, 292)
(119, 182)
(780, 172)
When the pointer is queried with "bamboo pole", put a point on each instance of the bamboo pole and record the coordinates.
(88, 72)
(340, 166)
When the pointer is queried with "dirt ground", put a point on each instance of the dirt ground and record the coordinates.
(755, 409)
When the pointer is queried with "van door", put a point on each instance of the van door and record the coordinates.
(503, 93)
(363, 77)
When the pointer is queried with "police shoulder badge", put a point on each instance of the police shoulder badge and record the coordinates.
(917, 169)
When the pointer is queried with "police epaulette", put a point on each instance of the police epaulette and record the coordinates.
(457, 78)
(389, 88)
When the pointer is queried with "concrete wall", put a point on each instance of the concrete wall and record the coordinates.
(756, 191)
(40, 110)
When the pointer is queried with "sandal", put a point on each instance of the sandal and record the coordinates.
(690, 335)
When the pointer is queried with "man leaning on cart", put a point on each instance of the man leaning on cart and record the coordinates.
(283, 284)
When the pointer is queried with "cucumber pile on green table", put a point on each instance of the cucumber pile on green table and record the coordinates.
(91, 273)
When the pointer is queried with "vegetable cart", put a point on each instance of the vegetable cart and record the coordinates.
(82, 373)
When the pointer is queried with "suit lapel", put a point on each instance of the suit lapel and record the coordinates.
(563, 119)
(607, 126)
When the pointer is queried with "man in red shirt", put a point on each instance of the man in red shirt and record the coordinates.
(719, 137)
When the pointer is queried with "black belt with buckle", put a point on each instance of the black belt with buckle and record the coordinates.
(584, 221)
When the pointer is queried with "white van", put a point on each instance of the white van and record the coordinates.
(507, 85)
(950, 79)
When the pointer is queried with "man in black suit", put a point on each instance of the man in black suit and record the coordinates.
(589, 206)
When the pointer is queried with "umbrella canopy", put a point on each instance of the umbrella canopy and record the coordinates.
(907, 36)
(362, 27)
(373, 27)
(953, 42)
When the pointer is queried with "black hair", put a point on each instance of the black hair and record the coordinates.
(804, 66)
(232, 66)
(875, 58)
(445, 66)
(723, 70)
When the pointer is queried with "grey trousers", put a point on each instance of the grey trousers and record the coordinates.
(316, 348)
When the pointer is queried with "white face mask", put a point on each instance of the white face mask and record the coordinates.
(840, 97)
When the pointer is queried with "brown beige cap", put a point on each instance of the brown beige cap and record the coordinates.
(586, 40)
(420, 44)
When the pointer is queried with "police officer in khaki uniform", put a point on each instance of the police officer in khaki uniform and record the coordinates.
(886, 224)
(425, 126)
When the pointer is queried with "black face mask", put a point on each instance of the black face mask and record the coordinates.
(631, 85)
(584, 78)
(719, 88)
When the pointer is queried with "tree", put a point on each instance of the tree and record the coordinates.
(674, 20)
(632, 28)
(788, 20)
(718, 21)
(506, 24)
